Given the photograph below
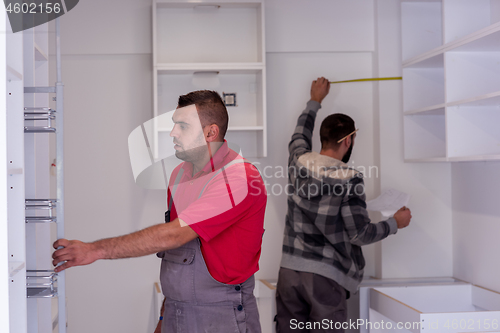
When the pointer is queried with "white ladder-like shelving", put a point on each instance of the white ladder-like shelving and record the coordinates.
(33, 299)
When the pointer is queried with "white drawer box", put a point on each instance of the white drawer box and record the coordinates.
(457, 307)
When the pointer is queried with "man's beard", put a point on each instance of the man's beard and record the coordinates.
(347, 155)
(191, 155)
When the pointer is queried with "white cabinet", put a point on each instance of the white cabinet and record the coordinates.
(28, 302)
(419, 305)
(366, 315)
(217, 46)
(451, 80)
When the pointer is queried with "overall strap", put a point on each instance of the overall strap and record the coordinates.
(176, 182)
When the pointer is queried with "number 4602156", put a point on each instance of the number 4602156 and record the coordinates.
(33, 8)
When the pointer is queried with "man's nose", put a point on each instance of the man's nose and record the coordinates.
(174, 132)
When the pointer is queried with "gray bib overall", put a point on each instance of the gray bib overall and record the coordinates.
(197, 303)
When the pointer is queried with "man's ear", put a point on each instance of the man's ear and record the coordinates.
(212, 133)
(347, 142)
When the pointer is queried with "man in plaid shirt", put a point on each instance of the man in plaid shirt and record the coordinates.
(326, 224)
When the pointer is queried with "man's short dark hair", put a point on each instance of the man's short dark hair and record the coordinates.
(335, 127)
(211, 108)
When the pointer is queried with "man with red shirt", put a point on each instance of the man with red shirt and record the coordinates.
(211, 245)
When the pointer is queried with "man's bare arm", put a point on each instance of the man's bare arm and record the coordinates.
(156, 238)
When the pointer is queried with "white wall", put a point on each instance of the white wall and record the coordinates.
(106, 97)
(304, 41)
(424, 248)
(319, 26)
(107, 27)
(289, 80)
(107, 74)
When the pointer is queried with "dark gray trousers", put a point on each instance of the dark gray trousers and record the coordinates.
(308, 302)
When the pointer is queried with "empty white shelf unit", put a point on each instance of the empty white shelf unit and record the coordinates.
(451, 80)
(217, 46)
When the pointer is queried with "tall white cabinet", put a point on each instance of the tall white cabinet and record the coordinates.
(218, 46)
(33, 299)
(451, 80)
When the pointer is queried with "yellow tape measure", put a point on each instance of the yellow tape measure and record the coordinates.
(372, 79)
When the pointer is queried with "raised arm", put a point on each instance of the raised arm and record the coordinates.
(150, 240)
(302, 137)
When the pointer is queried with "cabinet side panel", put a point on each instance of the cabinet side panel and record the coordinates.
(13, 154)
(485, 299)
(4, 253)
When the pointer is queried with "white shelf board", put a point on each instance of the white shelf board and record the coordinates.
(430, 110)
(39, 54)
(492, 99)
(200, 5)
(222, 68)
(15, 267)
(484, 40)
(429, 56)
(434, 61)
(12, 74)
(421, 0)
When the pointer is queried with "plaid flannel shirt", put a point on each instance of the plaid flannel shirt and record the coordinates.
(326, 222)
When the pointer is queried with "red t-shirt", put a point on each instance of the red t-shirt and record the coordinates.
(229, 215)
